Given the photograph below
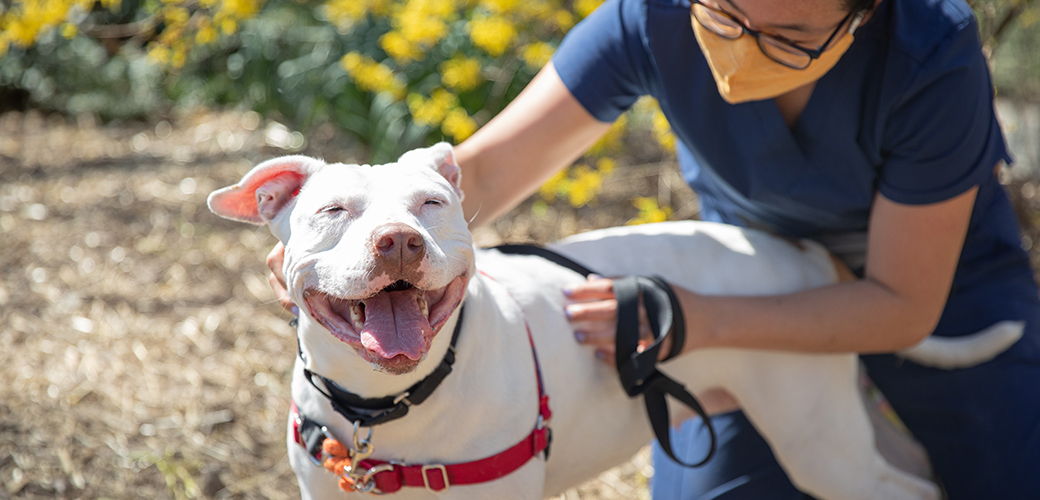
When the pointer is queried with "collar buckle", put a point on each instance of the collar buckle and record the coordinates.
(426, 477)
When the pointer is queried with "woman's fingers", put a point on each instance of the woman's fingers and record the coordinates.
(595, 288)
(277, 280)
(594, 318)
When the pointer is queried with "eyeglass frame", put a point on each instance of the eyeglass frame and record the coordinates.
(812, 53)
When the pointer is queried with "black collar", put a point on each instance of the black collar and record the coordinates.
(373, 411)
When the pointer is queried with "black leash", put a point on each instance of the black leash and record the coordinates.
(638, 370)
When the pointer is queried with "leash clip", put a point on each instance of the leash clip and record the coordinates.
(364, 482)
(363, 447)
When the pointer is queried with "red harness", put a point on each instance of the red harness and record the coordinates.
(377, 476)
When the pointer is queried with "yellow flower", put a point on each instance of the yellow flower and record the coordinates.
(398, 47)
(228, 27)
(461, 73)
(663, 131)
(179, 56)
(433, 110)
(458, 124)
(206, 33)
(159, 54)
(500, 6)
(536, 54)
(584, 186)
(564, 19)
(558, 184)
(240, 9)
(175, 16)
(492, 34)
(585, 7)
(605, 166)
(371, 76)
(344, 12)
(649, 212)
(69, 30)
(423, 22)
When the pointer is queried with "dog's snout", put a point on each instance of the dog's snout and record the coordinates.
(399, 243)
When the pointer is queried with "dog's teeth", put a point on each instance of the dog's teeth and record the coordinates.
(422, 306)
(355, 317)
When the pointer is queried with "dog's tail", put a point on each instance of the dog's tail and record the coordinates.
(949, 353)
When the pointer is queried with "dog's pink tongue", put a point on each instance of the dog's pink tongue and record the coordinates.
(394, 325)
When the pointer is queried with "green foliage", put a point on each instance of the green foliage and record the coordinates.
(300, 63)
(1016, 59)
(79, 76)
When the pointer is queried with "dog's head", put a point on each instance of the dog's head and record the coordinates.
(378, 255)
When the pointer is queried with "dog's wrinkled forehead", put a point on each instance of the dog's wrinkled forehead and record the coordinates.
(401, 184)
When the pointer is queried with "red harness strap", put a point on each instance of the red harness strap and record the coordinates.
(439, 477)
(391, 477)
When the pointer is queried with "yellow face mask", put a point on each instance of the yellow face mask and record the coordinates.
(743, 73)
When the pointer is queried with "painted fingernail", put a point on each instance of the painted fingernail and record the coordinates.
(601, 355)
(568, 291)
(295, 310)
(579, 336)
(593, 276)
(569, 312)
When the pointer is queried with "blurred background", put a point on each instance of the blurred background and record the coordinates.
(142, 354)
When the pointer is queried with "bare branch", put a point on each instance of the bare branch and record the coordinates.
(122, 30)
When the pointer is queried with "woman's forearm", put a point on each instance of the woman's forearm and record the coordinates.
(858, 316)
(911, 258)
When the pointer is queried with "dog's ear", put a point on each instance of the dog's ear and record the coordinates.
(264, 191)
(442, 157)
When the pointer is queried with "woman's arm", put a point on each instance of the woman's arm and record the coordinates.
(911, 258)
(543, 130)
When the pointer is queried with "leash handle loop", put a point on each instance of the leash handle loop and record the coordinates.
(638, 371)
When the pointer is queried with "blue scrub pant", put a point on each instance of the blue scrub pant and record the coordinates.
(981, 427)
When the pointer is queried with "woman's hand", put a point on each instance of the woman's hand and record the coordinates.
(593, 315)
(277, 280)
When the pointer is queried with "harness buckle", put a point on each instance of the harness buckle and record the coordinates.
(426, 477)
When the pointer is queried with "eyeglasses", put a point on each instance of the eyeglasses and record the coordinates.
(777, 49)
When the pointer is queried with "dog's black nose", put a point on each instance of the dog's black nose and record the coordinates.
(399, 244)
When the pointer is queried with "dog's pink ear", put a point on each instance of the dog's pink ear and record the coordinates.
(264, 191)
(443, 160)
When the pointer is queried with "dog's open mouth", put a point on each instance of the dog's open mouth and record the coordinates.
(399, 320)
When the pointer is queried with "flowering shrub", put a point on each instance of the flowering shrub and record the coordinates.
(396, 73)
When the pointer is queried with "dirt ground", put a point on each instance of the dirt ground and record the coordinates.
(142, 354)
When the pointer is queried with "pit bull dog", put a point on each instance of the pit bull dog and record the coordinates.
(399, 389)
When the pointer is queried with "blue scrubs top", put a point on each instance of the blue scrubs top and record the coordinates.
(907, 112)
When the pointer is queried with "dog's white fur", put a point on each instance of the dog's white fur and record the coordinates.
(806, 405)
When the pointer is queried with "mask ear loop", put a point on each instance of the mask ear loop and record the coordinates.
(856, 21)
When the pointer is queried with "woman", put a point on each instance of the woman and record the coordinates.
(866, 126)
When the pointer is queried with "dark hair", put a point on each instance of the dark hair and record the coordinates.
(857, 5)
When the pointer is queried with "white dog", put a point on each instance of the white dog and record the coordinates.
(379, 259)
